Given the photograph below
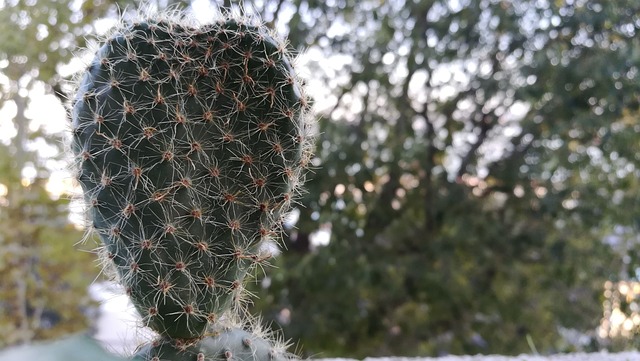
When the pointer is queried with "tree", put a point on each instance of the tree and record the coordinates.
(472, 156)
(44, 282)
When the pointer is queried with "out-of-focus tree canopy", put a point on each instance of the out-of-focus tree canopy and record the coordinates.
(473, 155)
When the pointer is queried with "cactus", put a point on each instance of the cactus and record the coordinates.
(191, 142)
(225, 343)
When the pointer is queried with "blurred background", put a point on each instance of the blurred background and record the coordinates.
(476, 187)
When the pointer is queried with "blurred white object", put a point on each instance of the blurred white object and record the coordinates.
(118, 327)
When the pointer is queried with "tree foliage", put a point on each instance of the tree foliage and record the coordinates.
(472, 156)
(44, 277)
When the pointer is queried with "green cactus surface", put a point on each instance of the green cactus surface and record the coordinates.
(191, 142)
(229, 344)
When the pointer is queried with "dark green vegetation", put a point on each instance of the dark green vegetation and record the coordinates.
(473, 155)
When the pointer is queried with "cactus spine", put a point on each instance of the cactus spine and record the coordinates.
(191, 142)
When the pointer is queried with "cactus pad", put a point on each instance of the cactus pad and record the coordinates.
(190, 142)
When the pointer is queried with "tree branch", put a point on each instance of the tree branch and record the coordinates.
(485, 125)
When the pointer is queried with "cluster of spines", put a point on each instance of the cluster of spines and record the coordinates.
(223, 343)
(191, 143)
